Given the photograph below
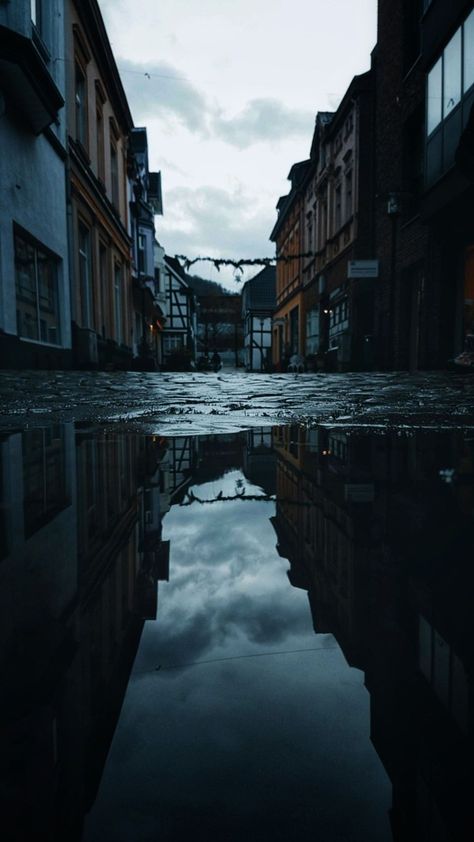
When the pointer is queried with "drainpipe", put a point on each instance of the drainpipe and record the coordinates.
(393, 210)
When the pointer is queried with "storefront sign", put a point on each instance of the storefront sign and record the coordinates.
(363, 269)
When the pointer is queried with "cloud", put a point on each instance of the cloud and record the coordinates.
(159, 90)
(263, 120)
(197, 219)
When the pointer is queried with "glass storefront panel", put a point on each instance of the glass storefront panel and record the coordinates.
(469, 52)
(435, 112)
(452, 74)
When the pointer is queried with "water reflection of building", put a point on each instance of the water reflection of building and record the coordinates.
(384, 548)
(80, 558)
(259, 459)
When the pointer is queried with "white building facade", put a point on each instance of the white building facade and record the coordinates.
(35, 321)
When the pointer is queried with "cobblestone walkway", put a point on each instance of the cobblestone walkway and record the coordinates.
(233, 400)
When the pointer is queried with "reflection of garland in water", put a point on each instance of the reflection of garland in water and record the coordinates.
(238, 265)
(249, 498)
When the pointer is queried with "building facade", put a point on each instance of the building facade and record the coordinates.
(99, 123)
(146, 201)
(35, 327)
(179, 336)
(424, 182)
(258, 304)
(289, 317)
(447, 204)
(338, 234)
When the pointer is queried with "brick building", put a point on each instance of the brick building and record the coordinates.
(424, 200)
(447, 206)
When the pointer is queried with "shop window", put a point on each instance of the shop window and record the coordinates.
(118, 306)
(36, 282)
(312, 331)
(104, 287)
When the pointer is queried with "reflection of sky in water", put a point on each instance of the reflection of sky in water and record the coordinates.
(265, 748)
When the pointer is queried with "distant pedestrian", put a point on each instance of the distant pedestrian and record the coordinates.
(216, 361)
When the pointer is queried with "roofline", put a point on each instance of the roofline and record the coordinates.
(358, 85)
(91, 17)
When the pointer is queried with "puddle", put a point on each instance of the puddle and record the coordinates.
(263, 635)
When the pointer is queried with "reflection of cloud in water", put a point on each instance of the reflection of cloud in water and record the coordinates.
(228, 592)
(259, 748)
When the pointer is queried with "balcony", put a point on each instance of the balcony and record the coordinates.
(27, 82)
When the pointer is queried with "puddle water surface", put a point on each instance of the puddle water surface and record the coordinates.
(259, 636)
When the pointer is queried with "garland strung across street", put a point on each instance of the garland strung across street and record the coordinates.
(238, 265)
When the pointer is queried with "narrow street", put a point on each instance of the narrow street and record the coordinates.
(236, 421)
(193, 403)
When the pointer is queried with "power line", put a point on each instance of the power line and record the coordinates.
(161, 668)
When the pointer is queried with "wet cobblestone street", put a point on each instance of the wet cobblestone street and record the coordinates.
(232, 400)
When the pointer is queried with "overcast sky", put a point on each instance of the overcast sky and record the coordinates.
(228, 91)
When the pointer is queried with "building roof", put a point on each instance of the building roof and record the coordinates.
(175, 266)
(259, 292)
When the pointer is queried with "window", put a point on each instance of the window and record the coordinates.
(468, 67)
(348, 196)
(103, 287)
(118, 303)
(435, 109)
(338, 208)
(312, 331)
(81, 105)
(85, 276)
(142, 254)
(36, 281)
(450, 96)
(172, 343)
(44, 477)
(452, 74)
(36, 16)
(100, 144)
(114, 174)
(309, 231)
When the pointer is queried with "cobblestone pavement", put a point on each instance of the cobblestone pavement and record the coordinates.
(232, 400)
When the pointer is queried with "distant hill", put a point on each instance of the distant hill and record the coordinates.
(201, 286)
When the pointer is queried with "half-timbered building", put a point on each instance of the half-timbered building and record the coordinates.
(258, 304)
(179, 337)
